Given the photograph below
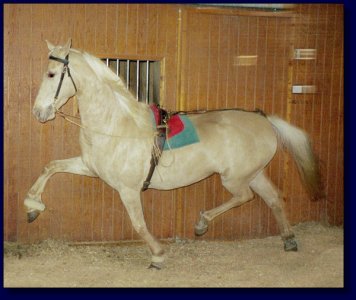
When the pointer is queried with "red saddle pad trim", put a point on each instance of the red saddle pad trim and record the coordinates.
(175, 123)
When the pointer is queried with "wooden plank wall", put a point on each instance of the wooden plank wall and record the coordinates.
(199, 51)
(320, 27)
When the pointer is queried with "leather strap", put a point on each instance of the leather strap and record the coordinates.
(65, 62)
(197, 112)
(160, 140)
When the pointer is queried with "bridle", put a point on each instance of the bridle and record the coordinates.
(65, 63)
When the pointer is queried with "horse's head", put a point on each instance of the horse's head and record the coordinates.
(57, 85)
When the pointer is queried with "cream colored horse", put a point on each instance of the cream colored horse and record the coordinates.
(116, 139)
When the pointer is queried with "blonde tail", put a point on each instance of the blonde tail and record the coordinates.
(297, 142)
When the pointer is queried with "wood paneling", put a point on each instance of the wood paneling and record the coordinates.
(199, 57)
(320, 27)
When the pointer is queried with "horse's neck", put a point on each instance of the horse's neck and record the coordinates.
(110, 112)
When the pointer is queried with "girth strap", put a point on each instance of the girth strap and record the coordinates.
(160, 140)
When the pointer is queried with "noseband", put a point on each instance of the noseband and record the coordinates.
(65, 63)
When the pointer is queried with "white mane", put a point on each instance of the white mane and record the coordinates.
(103, 72)
(138, 111)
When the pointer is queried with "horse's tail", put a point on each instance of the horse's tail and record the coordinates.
(297, 142)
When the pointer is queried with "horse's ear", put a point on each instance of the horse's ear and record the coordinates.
(50, 45)
(68, 45)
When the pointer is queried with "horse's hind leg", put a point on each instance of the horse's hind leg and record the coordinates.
(243, 195)
(269, 193)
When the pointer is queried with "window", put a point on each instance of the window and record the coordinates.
(142, 77)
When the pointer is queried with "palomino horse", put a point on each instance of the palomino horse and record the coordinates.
(117, 135)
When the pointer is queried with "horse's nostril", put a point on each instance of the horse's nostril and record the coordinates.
(36, 112)
(42, 115)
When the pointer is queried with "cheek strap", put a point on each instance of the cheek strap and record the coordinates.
(65, 63)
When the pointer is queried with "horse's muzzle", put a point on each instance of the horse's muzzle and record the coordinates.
(43, 114)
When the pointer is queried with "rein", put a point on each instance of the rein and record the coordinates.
(65, 117)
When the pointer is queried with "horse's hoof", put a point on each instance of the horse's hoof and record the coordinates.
(202, 226)
(156, 266)
(32, 215)
(290, 245)
(200, 229)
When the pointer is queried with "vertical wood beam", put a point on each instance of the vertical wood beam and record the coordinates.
(288, 115)
(180, 105)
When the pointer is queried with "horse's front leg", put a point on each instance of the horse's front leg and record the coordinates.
(132, 202)
(33, 200)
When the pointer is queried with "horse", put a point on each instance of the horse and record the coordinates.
(117, 137)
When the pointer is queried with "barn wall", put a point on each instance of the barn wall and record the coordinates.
(321, 114)
(199, 50)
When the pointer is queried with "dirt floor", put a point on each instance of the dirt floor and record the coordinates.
(247, 263)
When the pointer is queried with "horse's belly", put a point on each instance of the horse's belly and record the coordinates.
(177, 177)
(183, 167)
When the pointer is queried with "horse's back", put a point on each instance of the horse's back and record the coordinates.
(236, 128)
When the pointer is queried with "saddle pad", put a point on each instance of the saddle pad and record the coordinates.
(181, 130)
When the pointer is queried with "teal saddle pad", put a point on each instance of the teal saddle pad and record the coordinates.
(181, 130)
(185, 137)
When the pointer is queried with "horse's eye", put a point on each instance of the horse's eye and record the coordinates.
(50, 75)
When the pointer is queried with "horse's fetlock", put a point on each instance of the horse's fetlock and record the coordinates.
(157, 261)
(140, 229)
(202, 226)
(158, 258)
(288, 236)
(33, 204)
(159, 253)
(204, 217)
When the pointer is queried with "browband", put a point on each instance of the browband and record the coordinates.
(64, 61)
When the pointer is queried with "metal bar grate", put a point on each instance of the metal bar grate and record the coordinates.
(141, 77)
